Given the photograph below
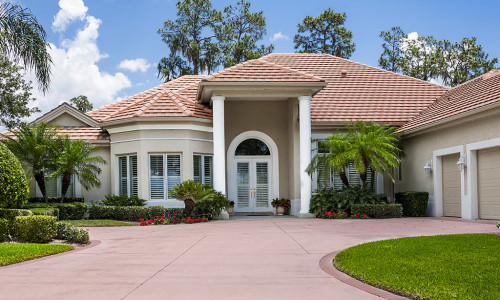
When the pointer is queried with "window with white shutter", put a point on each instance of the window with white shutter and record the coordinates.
(127, 175)
(202, 169)
(53, 187)
(165, 174)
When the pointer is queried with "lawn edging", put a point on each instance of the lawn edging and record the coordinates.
(326, 264)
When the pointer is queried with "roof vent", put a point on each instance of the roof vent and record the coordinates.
(343, 73)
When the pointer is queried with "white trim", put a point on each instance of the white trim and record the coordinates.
(162, 139)
(438, 180)
(129, 179)
(472, 149)
(170, 126)
(274, 160)
(304, 152)
(166, 196)
(69, 109)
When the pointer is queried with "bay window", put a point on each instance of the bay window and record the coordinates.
(127, 170)
(202, 169)
(164, 175)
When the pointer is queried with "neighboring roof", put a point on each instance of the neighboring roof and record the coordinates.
(65, 108)
(365, 93)
(166, 100)
(91, 134)
(472, 95)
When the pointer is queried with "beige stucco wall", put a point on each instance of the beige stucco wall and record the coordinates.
(419, 148)
(66, 119)
(98, 193)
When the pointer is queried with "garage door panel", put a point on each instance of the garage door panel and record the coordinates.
(488, 183)
(452, 206)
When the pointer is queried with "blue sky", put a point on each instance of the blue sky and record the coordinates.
(91, 39)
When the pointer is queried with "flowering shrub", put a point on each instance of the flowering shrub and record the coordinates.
(174, 219)
(340, 215)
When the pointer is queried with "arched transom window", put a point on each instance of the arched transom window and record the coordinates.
(252, 147)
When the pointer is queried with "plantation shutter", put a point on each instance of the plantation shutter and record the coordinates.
(262, 184)
(353, 175)
(337, 182)
(122, 171)
(133, 175)
(197, 168)
(207, 170)
(322, 177)
(243, 184)
(157, 184)
(51, 186)
(173, 172)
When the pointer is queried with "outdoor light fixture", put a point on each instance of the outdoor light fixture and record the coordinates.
(462, 162)
(428, 167)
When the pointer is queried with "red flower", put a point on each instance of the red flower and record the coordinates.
(328, 213)
(357, 214)
(365, 216)
(142, 220)
(319, 216)
(173, 221)
(174, 215)
(357, 217)
(345, 216)
(338, 214)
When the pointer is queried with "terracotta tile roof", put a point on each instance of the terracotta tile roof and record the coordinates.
(479, 92)
(91, 134)
(365, 93)
(169, 99)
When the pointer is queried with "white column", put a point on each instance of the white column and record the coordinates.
(219, 142)
(305, 154)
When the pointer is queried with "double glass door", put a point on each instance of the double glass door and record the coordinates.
(253, 185)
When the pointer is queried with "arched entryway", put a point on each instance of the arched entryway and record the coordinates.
(253, 172)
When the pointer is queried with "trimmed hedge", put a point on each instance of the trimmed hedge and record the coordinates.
(11, 214)
(67, 211)
(329, 199)
(414, 203)
(378, 211)
(45, 211)
(131, 213)
(34, 229)
(71, 234)
(4, 229)
(123, 200)
(14, 186)
(56, 200)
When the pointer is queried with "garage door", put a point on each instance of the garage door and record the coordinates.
(488, 181)
(451, 186)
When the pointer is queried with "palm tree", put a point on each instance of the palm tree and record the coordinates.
(74, 158)
(33, 145)
(22, 38)
(373, 146)
(191, 192)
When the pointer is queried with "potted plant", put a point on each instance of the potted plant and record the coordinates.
(230, 209)
(281, 205)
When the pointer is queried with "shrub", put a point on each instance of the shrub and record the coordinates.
(129, 213)
(4, 229)
(378, 211)
(124, 200)
(328, 199)
(11, 214)
(192, 193)
(67, 211)
(45, 211)
(56, 200)
(414, 203)
(14, 186)
(71, 234)
(211, 207)
(34, 229)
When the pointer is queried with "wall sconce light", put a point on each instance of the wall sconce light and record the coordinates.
(428, 167)
(462, 162)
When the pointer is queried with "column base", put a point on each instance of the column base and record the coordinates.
(305, 215)
(223, 216)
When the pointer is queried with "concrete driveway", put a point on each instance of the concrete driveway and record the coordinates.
(247, 259)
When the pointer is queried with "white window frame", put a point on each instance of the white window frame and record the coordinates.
(129, 177)
(166, 196)
(202, 169)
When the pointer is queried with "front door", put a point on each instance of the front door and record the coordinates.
(253, 185)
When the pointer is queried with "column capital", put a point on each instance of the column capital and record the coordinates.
(216, 98)
(304, 98)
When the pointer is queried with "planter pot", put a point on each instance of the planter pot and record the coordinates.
(280, 210)
(230, 210)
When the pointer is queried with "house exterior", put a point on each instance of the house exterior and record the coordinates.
(248, 130)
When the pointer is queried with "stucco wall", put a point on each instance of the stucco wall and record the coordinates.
(98, 193)
(66, 119)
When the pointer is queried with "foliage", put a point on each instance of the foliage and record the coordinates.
(15, 95)
(67, 211)
(211, 207)
(11, 214)
(4, 229)
(97, 223)
(11, 253)
(34, 229)
(332, 215)
(24, 40)
(71, 234)
(174, 219)
(75, 157)
(325, 34)
(239, 33)
(378, 211)
(123, 200)
(191, 193)
(429, 59)
(444, 267)
(56, 199)
(82, 103)
(33, 145)
(14, 186)
(329, 199)
(130, 213)
(45, 211)
(414, 203)
(283, 202)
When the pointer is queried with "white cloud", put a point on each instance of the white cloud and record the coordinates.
(71, 10)
(278, 36)
(75, 71)
(413, 35)
(134, 65)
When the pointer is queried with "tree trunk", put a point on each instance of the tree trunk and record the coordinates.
(344, 179)
(40, 180)
(66, 182)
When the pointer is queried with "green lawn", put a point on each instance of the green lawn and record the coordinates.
(15, 252)
(97, 223)
(463, 266)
